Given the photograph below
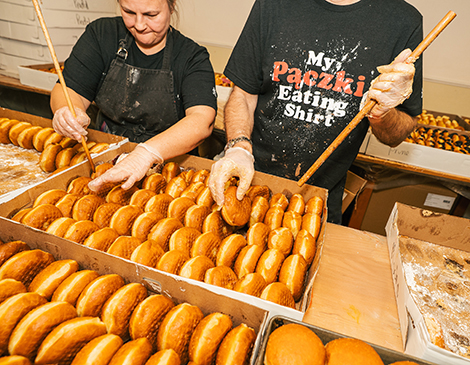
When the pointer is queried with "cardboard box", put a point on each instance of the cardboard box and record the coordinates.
(431, 196)
(156, 282)
(387, 356)
(452, 117)
(75, 5)
(36, 52)
(276, 184)
(9, 64)
(34, 76)
(352, 188)
(423, 225)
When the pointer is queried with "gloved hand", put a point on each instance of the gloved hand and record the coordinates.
(66, 125)
(130, 169)
(392, 87)
(236, 162)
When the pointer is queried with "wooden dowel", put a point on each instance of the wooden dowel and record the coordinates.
(371, 103)
(61, 77)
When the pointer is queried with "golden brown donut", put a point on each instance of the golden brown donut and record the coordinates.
(296, 204)
(64, 157)
(25, 265)
(259, 190)
(68, 142)
(282, 239)
(12, 310)
(5, 126)
(279, 199)
(312, 223)
(33, 328)
(252, 284)
(154, 182)
(234, 211)
(141, 197)
(134, 352)
(183, 239)
(305, 245)
(103, 214)
(67, 339)
(193, 190)
(124, 246)
(176, 186)
(162, 231)
(269, 264)
(123, 219)
(247, 259)
(172, 261)
(195, 215)
(229, 249)
(79, 231)
(41, 216)
(200, 176)
(216, 224)
(40, 138)
(99, 147)
(205, 198)
(15, 360)
(49, 279)
(164, 357)
(159, 204)
(206, 244)
(85, 207)
(18, 216)
(259, 208)
(25, 138)
(236, 346)
(309, 348)
(101, 239)
(222, 276)
(120, 196)
(178, 207)
(144, 223)
(207, 337)
(278, 293)
(147, 253)
(170, 170)
(118, 309)
(177, 327)
(147, 317)
(195, 268)
(98, 351)
(293, 221)
(314, 205)
(51, 196)
(96, 293)
(48, 156)
(351, 351)
(71, 288)
(9, 249)
(101, 169)
(187, 175)
(403, 363)
(258, 234)
(10, 287)
(53, 138)
(274, 216)
(292, 274)
(79, 147)
(79, 186)
(15, 131)
(60, 226)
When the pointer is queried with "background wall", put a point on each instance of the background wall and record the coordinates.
(218, 23)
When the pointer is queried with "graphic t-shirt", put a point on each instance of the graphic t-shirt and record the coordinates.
(310, 62)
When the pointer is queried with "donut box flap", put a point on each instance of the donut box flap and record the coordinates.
(158, 282)
(427, 226)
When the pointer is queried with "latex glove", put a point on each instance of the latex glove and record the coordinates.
(66, 125)
(392, 87)
(130, 169)
(236, 162)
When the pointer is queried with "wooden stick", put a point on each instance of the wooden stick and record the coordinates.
(59, 73)
(371, 103)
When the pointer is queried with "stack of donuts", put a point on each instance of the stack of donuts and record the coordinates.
(56, 151)
(440, 138)
(262, 246)
(53, 312)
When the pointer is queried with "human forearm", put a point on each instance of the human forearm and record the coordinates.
(58, 99)
(393, 128)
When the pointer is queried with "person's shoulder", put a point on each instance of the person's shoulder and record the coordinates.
(185, 45)
(108, 26)
(401, 7)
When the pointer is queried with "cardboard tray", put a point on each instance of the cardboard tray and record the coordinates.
(387, 356)
(156, 282)
(33, 75)
(424, 225)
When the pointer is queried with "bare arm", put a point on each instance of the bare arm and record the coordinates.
(393, 128)
(58, 99)
(239, 116)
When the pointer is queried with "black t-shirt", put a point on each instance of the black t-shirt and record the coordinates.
(85, 69)
(310, 62)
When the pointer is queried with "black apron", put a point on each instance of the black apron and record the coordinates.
(135, 102)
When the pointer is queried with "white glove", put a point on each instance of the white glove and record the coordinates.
(236, 162)
(66, 125)
(392, 87)
(131, 169)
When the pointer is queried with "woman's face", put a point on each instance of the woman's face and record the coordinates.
(148, 21)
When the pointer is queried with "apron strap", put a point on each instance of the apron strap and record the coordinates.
(121, 54)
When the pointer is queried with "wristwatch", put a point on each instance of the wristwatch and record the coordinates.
(234, 141)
